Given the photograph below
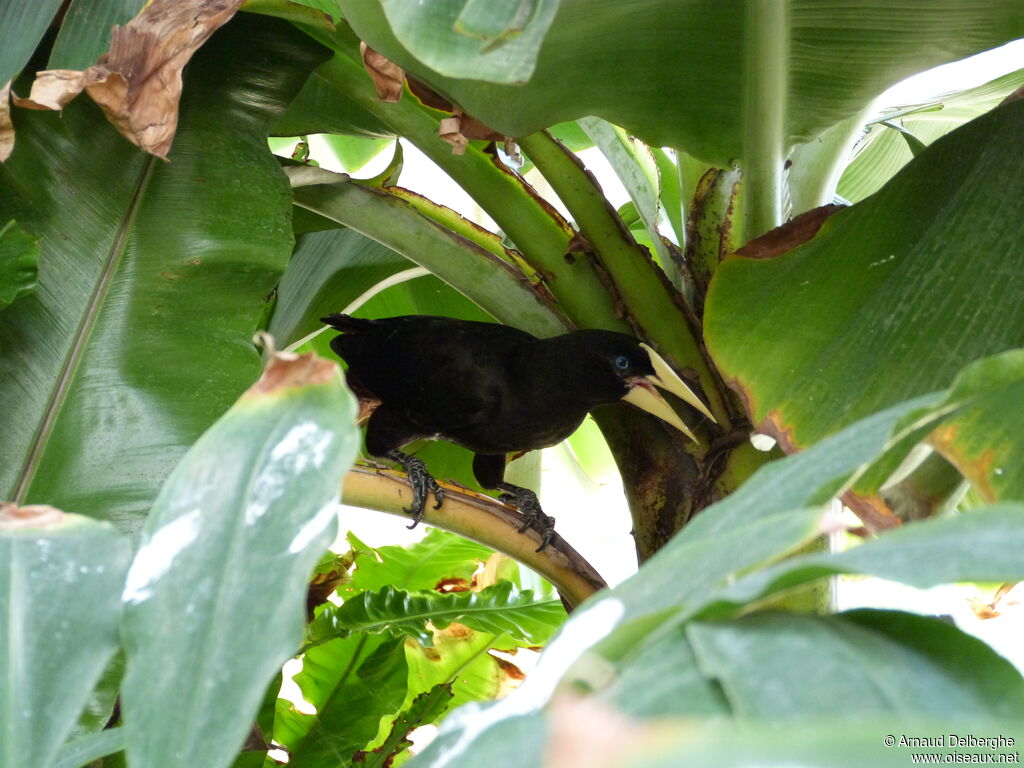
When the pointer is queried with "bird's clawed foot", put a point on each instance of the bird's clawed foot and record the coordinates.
(526, 502)
(421, 481)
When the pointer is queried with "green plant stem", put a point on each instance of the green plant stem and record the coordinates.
(648, 297)
(767, 77)
(481, 519)
(481, 276)
(535, 228)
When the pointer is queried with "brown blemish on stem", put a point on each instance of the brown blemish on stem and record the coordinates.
(872, 510)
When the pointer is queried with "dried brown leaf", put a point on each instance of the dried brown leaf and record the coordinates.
(53, 88)
(6, 126)
(388, 77)
(450, 131)
(785, 238)
(137, 82)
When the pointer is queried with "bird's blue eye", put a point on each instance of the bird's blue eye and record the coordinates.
(622, 363)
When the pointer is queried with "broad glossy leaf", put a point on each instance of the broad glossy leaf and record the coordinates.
(984, 545)
(482, 39)
(354, 152)
(660, 678)
(695, 60)
(86, 749)
(498, 609)
(60, 581)
(85, 31)
(152, 277)
(759, 522)
(980, 412)
(22, 26)
(330, 7)
(882, 152)
(248, 511)
(786, 667)
(436, 557)
(353, 683)
(891, 299)
(19, 258)
(328, 271)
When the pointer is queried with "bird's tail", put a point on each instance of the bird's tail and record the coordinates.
(346, 322)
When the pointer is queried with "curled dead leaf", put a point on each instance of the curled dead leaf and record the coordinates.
(13, 517)
(6, 126)
(54, 88)
(993, 608)
(137, 82)
(450, 131)
(388, 78)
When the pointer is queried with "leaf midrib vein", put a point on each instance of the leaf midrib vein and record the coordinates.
(77, 348)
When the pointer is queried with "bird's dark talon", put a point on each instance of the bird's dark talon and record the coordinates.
(421, 482)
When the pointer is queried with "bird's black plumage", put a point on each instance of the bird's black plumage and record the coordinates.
(489, 388)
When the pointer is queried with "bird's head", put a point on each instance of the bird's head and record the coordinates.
(634, 372)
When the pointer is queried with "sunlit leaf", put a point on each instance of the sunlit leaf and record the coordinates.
(152, 279)
(498, 609)
(248, 511)
(60, 583)
(785, 667)
(890, 300)
(840, 55)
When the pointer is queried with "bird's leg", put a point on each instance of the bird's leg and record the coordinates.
(421, 482)
(526, 501)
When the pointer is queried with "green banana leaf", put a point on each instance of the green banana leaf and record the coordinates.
(892, 297)
(22, 26)
(152, 278)
(85, 31)
(679, 73)
(19, 259)
(882, 152)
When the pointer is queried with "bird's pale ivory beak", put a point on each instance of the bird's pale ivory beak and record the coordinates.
(644, 396)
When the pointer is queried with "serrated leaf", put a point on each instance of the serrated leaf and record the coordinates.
(499, 609)
(421, 566)
(353, 683)
(424, 709)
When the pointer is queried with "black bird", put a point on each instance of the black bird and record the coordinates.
(492, 389)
